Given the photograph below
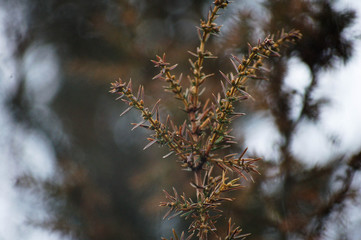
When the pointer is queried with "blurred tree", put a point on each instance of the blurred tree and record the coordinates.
(292, 200)
(95, 43)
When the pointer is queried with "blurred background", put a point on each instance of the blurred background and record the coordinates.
(70, 168)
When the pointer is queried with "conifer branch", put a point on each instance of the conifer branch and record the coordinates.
(205, 130)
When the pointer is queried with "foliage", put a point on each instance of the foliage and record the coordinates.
(294, 206)
(197, 141)
(104, 188)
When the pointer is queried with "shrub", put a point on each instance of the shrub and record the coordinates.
(198, 142)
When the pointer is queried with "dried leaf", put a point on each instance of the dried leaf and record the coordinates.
(249, 48)
(139, 92)
(234, 64)
(157, 114)
(173, 67)
(184, 126)
(121, 95)
(199, 34)
(155, 106)
(193, 54)
(205, 105)
(129, 86)
(180, 78)
(225, 77)
(168, 154)
(236, 58)
(246, 94)
(202, 91)
(244, 152)
(159, 75)
(224, 89)
(167, 213)
(126, 110)
(168, 196)
(138, 124)
(150, 144)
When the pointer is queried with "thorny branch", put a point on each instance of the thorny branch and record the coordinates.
(206, 128)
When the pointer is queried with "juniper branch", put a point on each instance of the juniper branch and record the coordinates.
(206, 129)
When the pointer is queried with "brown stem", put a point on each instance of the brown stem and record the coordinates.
(200, 60)
(198, 181)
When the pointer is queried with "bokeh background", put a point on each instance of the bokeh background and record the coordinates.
(70, 168)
